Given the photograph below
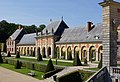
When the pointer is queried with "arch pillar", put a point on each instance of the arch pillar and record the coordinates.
(66, 55)
(97, 54)
(60, 52)
(88, 57)
(73, 53)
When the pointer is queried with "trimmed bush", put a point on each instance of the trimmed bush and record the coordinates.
(77, 61)
(1, 60)
(50, 66)
(85, 61)
(69, 55)
(18, 65)
(49, 74)
(100, 64)
(39, 57)
(8, 54)
(17, 54)
(70, 77)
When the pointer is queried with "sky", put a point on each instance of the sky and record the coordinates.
(28, 12)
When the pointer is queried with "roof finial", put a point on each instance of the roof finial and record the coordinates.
(50, 20)
(62, 17)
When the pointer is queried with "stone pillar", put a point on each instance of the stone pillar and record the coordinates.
(66, 54)
(73, 53)
(88, 56)
(60, 53)
(109, 31)
(97, 55)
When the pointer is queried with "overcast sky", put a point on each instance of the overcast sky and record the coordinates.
(28, 12)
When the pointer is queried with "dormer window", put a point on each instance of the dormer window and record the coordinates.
(96, 37)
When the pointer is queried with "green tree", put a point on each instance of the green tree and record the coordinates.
(1, 60)
(39, 57)
(8, 54)
(18, 65)
(50, 66)
(77, 61)
(41, 27)
(17, 54)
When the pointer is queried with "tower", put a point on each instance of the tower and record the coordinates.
(111, 20)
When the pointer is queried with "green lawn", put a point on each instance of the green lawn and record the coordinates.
(46, 61)
(23, 70)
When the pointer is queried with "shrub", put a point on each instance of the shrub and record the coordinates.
(85, 61)
(77, 61)
(18, 65)
(100, 64)
(17, 54)
(39, 57)
(49, 74)
(1, 60)
(8, 54)
(69, 55)
(50, 66)
(70, 77)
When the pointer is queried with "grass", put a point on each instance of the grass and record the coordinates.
(85, 75)
(23, 70)
(46, 61)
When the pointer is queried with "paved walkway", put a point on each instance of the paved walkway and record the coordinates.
(11, 76)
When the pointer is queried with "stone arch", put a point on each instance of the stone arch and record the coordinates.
(83, 53)
(63, 54)
(76, 50)
(100, 53)
(69, 53)
(43, 52)
(49, 51)
(21, 51)
(57, 52)
(92, 53)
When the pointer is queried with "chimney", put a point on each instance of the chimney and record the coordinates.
(90, 26)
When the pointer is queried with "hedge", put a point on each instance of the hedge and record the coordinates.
(30, 65)
(49, 74)
(70, 77)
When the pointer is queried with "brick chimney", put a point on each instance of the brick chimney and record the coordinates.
(90, 26)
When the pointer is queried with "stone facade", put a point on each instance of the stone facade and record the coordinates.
(111, 20)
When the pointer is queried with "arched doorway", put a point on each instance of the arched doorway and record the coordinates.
(69, 53)
(27, 51)
(83, 53)
(76, 50)
(92, 53)
(34, 51)
(100, 53)
(24, 51)
(43, 52)
(57, 52)
(63, 53)
(49, 52)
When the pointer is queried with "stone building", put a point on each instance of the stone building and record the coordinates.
(14, 39)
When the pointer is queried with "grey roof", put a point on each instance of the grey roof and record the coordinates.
(16, 34)
(28, 39)
(80, 34)
(53, 25)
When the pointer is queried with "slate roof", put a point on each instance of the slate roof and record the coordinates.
(80, 34)
(16, 34)
(28, 39)
(53, 25)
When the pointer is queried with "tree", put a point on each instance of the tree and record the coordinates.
(41, 27)
(100, 63)
(1, 60)
(50, 66)
(39, 57)
(77, 61)
(17, 54)
(69, 55)
(18, 65)
(8, 54)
